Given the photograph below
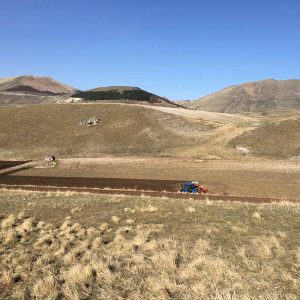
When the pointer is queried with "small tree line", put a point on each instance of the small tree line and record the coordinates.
(138, 95)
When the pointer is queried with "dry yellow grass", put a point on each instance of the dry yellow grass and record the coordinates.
(125, 130)
(182, 250)
(275, 139)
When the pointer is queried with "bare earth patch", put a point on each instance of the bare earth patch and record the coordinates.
(244, 177)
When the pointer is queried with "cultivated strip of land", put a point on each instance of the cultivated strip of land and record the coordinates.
(7, 167)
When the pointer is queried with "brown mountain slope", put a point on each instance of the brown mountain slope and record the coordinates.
(33, 90)
(260, 96)
(35, 85)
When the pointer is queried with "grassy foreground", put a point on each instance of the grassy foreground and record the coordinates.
(82, 246)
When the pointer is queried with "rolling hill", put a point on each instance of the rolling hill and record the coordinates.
(32, 89)
(275, 139)
(125, 94)
(34, 131)
(254, 97)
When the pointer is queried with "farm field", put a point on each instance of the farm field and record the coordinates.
(118, 247)
(244, 177)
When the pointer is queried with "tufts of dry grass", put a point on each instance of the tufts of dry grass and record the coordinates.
(219, 251)
(266, 246)
(190, 209)
(256, 215)
(297, 257)
(149, 208)
(115, 219)
(40, 261)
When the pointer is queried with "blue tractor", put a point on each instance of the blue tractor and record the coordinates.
(193, 187)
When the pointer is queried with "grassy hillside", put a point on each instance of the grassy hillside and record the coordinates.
(260, 96)
(277, 139)
(33, 131)
(36, 130)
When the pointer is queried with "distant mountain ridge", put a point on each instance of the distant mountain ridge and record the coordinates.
(259, 96)
(29, 89)
(35, 85)
(253, 97)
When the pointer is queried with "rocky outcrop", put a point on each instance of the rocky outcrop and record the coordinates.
(91, 122)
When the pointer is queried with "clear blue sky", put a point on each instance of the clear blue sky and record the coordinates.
(179, 49)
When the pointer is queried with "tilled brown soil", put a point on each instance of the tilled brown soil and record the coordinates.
(100, 183)
(249, 177)
(154, 188)
(129, 186)
(9, 164)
